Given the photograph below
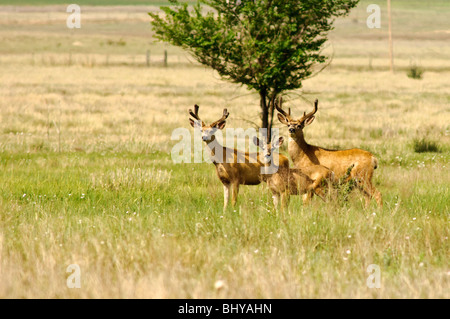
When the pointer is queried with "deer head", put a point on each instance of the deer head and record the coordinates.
(295, 125)
(268, 148)
(208, 131)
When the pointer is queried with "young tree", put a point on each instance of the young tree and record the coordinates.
(268, 45)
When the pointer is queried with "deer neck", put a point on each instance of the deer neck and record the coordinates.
(298, 148)
(212, 146)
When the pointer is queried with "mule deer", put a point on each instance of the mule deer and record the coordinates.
(233, 167)
(286, 181)
(304, 155)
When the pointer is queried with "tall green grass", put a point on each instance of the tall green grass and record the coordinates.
(130, 223)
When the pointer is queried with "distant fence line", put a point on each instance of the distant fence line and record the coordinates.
(93, 60)
(161, 60)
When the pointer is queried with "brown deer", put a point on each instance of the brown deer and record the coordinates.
(305, 155)
(286, 181)
(233, 167)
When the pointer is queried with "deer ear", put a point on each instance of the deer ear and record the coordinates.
(280, 141)
(196, 124)
(255, 140)
(282, 118)
(309, 120)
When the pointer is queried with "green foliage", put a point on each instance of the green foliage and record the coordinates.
(263, 44)
(415, 72)
(425, 145)
(120, 42)
(345, 185)
(269, 46)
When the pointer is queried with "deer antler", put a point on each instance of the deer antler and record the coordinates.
(305, 116)
(223, 118)
(225, 115)
(278, 103)
(195, 115)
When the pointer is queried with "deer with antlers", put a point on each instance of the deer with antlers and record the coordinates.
(304, 155)
(233, 167)
(286, 181)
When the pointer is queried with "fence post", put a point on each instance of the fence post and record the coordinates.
(148, 58)
(165, 58)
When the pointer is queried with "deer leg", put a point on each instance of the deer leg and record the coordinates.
(378, 197)
(276, 200)
(226, 196)
(329, 180)
(371, 192)
(365, 186)
(317, 183)
(317, 187)
(319, 192)
(367, 197)
(285, 200)
(234, 194)
(307, 197)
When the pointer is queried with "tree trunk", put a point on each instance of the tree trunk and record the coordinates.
(271, 108)
(264, 109)
(267, 108)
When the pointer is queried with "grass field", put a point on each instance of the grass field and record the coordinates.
(87, 177)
